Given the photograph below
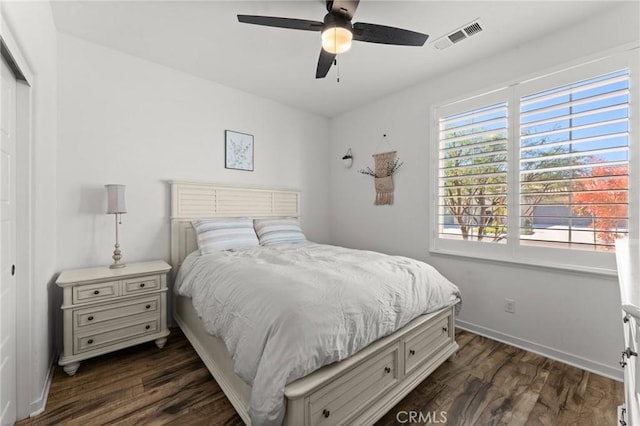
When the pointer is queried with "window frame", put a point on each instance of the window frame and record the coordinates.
(512, 251)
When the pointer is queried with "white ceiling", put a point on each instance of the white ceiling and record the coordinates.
(204, 38)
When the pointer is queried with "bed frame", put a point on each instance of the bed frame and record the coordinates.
(358, 390)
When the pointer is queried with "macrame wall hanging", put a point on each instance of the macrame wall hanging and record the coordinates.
(383, 180)
(386, 164)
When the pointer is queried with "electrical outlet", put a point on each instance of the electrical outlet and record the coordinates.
(510, 306)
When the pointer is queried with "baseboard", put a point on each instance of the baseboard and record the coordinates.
(565, 357)
(37, 407)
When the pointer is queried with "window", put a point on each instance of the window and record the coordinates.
(473, 174)
(574, 157)
(538, 172)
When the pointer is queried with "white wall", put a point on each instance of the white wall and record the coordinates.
(571, 316)
(126, 120)
(32, 26)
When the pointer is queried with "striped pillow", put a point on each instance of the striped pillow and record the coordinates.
(278, 231)
(224, 234)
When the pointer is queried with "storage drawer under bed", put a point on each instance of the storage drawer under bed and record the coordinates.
(419, 346)
(342, 399)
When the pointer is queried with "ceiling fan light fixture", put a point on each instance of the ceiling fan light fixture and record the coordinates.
(336, 39)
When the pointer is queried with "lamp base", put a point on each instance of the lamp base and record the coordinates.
(117, 254)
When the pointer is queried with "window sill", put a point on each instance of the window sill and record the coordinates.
(567, 268)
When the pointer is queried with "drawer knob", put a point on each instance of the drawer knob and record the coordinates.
(412, 352)
(148, 307)
(90, 318)
(147, 327)
(387, 369)
(90, 341)
(141, 284)
(326, 413)
(96, 292)
(444, 329)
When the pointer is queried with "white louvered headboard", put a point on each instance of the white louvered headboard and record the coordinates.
(190, 200)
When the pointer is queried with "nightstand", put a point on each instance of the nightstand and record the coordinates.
(109, 309)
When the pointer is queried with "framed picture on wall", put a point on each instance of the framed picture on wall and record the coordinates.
(238, 151)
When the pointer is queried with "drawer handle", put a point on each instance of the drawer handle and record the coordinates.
(90, 341)
(627, 353)
(141, 285)
(96, 292)
(148, 307)
(326, 413)
(412, 352)
(387, 369)
(147, 327)
(90, 318)
(445, 329)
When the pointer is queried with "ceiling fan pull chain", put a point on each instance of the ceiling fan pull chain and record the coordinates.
(335, 60)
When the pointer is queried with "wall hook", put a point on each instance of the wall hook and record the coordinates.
(347, 159)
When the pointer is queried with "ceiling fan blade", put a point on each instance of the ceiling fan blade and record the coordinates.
(343, 7)
(324, 63)
(273, 21)
(382, 34)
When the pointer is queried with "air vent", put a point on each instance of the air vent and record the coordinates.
(459, 34)
(473, 28)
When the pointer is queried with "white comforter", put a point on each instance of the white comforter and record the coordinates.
(285, 311)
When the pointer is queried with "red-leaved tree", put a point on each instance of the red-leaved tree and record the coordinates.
(602, 194)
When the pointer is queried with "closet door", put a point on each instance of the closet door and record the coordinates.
(7, 247)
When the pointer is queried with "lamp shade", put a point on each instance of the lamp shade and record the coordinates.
(115, 199)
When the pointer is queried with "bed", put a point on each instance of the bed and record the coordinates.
(357, 390)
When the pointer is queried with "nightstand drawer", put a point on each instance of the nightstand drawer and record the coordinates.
(89, 342)
(98, 291)
(115, 311)
(141, 284)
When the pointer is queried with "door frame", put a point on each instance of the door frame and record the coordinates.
(11, 53)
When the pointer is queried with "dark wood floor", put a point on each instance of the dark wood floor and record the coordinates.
(484, 383)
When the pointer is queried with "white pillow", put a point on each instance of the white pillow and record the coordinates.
(224, 234)
(278, 231)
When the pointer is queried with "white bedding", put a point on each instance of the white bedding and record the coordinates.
(284, 311)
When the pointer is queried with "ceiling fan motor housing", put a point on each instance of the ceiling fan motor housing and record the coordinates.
(335, 20)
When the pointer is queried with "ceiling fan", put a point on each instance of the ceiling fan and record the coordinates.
(337, 31)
